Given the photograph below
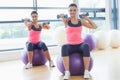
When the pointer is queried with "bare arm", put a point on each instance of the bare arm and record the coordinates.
(89, 23)
(45, 26)
(64, 20)
(27, 23)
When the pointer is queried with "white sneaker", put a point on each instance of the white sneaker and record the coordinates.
(86, 74)
(51, 64)
(29, 65)
(67, 75)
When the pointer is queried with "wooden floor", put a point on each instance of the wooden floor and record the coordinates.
(106, 67)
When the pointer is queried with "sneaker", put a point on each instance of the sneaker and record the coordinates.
(86, 74)
(67, 75)
(51, 64)
(29, 65)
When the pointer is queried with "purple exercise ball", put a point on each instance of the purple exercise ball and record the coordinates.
(90, 40)
(76, 64)
(38, 57)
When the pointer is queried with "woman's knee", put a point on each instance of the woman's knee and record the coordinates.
(43, 46)
(29, 46)
(85, 50)
(64, 50)
(85, 46)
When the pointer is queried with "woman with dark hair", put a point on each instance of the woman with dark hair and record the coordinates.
(34, 40)
(74, 40)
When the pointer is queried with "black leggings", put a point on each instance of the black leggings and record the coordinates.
(40, 45)
(68, 49)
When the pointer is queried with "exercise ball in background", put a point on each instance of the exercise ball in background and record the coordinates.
(102, 40)
(60, 35)
(38, 57)
(76, 64)
(114, 36)
(90, 40)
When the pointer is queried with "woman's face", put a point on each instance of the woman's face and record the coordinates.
(34, 17)
(73, 11)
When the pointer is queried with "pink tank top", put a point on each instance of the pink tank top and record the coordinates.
(73, 32)
(34, 35)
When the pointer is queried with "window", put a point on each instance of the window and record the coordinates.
(16, 3)
(13, 35)
(48, 10)
(94, 4)
(53, 3)
(14, 14)
(13, 32)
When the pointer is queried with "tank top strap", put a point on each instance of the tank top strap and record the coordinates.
(36, 29)
(68, 19)
(69, 23)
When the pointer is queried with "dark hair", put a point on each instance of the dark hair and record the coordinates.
(34, 12)
(73, 4)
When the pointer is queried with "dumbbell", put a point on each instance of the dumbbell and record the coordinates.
(65, 16)
(87, 14)
(45, 23)
(24, 20)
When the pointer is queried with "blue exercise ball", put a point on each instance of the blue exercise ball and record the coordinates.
(38, 57)
(76, 64)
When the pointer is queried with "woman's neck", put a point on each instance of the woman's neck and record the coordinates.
(35, 22)
(74, 20)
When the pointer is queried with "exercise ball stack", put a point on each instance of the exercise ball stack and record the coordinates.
(102, 40)
(114, 38)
